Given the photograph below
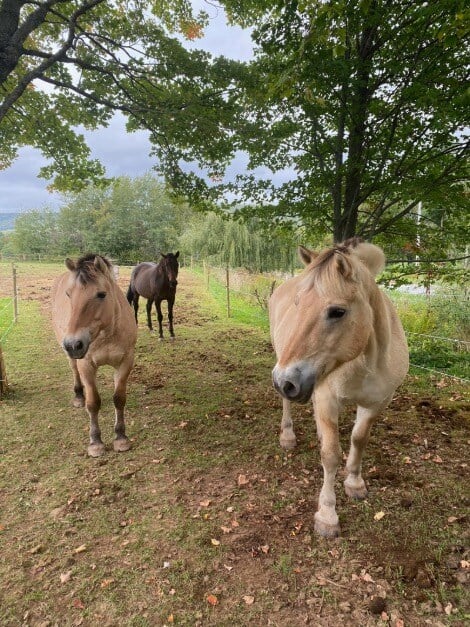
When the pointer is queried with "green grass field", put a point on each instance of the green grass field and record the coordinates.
(206, 521)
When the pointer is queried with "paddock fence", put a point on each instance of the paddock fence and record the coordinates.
(443, 354)
(8, 317)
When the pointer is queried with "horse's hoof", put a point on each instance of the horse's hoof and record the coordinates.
(160, 339)
(358, 493)
(78, 401)
(122, 444)
(96, 450)
(288, 443)
(326, 530)
(172, 338)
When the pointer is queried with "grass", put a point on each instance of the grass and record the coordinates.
(129, 539)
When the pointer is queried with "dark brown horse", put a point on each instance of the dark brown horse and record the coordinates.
(155, 282)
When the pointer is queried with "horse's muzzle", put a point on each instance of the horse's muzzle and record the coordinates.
(295, 383)
(76, 347)
(173, 284)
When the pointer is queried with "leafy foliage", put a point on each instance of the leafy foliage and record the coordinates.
(363, 103)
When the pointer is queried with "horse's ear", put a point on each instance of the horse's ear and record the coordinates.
(101, 265)
(344, 266)
(163, 255)
(70, 264)
(306, 255)
(371, 256)
(177, 254)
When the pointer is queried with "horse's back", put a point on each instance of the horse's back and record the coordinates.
(143, 278)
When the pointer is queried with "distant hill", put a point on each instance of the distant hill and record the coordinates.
(7, 220)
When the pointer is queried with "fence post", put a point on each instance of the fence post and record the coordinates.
(3, 375)
(15, 294)
(227, 283)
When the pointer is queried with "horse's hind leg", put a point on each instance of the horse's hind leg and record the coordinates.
(121, 441)
(149, 314)
(287, 438)
(135, 302)
(354, 484)
(93, 404)
(79, 398)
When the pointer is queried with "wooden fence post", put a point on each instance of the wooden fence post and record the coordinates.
(227, 284)
(15, 294)
(3, 375)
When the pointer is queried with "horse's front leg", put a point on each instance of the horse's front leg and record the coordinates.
(158, 307)
(92, 404)
(149, 314)
(354, 484)
(287, 437)
(121, 441)
(326, 415)
(171, 302)
(79, 398)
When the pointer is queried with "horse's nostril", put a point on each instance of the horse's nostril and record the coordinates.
(78, 345)
(289, 389)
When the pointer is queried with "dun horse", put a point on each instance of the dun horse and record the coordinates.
(155, 282)
(337, 339)
(95, 326)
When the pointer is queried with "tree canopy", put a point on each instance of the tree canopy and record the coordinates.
(362, 105)
(71, 63)
(366, 103)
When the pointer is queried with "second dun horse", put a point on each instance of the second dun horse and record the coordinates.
(95, 326)
(155, 282)
(337, 339)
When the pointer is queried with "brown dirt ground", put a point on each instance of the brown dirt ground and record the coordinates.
(221, 476)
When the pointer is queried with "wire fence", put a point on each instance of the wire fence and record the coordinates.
(246, 297)
(432, 353)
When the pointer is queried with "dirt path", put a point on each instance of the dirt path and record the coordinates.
(206, 521)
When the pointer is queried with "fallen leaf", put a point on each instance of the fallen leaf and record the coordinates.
(437, 459)
(36, 549)
(212, 599)
(80, 548)
(226, 529)
(242, 480)
(78, 604)
(379, 515)
(229, 568)
(249, 600)
(64, 577)
(107, 582)
(448, 609)
(265, 548)
(205, 503)
(464, 564)
(215, 542)
(452, 519)
(171, 618)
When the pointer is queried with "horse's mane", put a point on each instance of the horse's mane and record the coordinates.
(86, 269)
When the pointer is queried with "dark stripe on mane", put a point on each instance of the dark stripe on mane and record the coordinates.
(86, 269)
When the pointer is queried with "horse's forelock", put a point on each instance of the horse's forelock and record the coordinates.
(335, 270)
(87, 270)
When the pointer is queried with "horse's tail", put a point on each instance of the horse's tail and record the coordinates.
(130, 294)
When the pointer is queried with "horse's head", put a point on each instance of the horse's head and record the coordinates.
(88, 290)
(171, 266)
(324, 318)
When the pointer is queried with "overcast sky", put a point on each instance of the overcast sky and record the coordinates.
(119, 152)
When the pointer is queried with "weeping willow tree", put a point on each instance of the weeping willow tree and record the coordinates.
(238, 244)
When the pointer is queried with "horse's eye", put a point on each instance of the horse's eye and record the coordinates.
(101, 295)
(334, 313)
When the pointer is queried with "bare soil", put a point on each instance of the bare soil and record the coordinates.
(206, 521)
